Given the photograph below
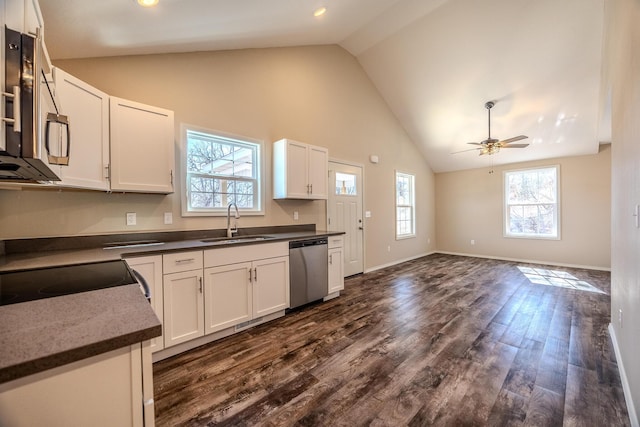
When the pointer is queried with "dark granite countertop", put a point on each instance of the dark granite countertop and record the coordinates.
(46, 333)
(64, 256)
(43, 334)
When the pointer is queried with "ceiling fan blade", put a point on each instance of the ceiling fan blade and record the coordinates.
(514, 139)
(464, 151)
(515, 146)
(475, 143)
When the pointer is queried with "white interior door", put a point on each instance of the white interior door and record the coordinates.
(345, 212)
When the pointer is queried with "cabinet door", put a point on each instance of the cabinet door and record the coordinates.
(88, 112)
(32, 17)
(297, 183)
(183, 307)
(150, 268)
(336, 270)
(142, 147)
(23, 16)
(270, 285)
(318, 172)
(228, 299)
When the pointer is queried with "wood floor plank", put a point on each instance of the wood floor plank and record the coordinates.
(545, 408)
(440, 340)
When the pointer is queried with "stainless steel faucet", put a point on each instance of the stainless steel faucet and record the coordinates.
(230, 230)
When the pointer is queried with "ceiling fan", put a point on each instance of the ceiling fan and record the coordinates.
(491, 145)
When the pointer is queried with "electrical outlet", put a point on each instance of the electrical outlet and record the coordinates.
(295, 215)
(367, 214)
(473, 242)
(131, 218)
(168, 218)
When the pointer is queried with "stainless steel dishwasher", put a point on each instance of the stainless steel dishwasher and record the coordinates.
(308, 271)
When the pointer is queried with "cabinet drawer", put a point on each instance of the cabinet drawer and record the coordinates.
(244, 253)
(181, 261)
(335, 242)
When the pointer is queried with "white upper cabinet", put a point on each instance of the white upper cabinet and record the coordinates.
(88, 112)
(142, 147)
(300, 171)
(24, 16)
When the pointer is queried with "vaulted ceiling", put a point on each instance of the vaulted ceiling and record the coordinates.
(436, 62)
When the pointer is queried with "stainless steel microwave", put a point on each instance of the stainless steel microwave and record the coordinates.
(35, 136)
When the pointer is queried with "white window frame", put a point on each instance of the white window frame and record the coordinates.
(411, 206)
(507, 205)
(222, 211)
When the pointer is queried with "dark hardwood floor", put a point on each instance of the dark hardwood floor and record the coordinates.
(442, 340)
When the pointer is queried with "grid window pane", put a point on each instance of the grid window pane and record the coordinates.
(531, 203)
(220, 171)
(405, 206)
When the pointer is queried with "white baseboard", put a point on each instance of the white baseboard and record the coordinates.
(399, 261)
(527, 261)
(633, 416)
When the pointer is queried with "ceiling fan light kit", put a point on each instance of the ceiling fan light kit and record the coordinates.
(492, 145)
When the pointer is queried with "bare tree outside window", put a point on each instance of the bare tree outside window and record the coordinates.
(221, 170)
(531, 203)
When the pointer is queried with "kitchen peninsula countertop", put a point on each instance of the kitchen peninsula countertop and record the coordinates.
(47, 333)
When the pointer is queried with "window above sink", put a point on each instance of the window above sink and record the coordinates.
(220, 169)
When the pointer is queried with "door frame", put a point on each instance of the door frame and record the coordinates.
(364, 228)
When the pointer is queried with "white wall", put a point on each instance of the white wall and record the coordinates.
(469, 206)
(621, 75)
(319, 95)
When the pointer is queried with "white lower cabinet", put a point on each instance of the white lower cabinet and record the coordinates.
(183, 297)
(270, 285)
(228, 297)
(150, 268)
(242, 285)
(110, 389)
(183, 307)
(216, 289)
(336, 264)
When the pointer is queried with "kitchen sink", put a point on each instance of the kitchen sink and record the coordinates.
(230, 240)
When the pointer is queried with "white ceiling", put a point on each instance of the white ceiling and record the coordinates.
(436, 62)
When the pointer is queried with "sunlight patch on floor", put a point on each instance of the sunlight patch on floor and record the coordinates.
(560, 279)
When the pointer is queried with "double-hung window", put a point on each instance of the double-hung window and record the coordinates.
(531, 203)
(405, 205)
(220, 169)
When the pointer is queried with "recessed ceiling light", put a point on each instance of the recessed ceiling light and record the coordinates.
(147, 3)
(320, 11)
